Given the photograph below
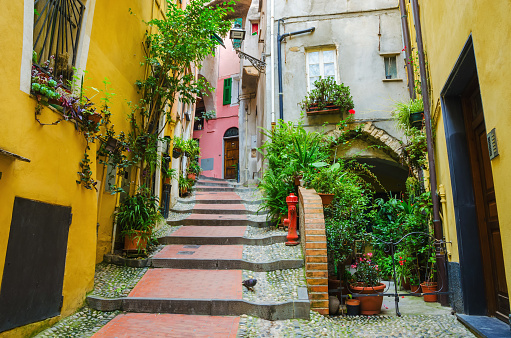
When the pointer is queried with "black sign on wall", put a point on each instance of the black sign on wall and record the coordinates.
(34, 265)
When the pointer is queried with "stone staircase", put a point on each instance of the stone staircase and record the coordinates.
(207, 255)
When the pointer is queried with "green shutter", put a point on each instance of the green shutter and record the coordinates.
(227, 90)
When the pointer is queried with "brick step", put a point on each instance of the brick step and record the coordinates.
(169, 325)
(216, 201)
(215, 257)
(199, 292)
(211, 183)
(209, 208)
(205, 188)
(217, 235)
(217, 220)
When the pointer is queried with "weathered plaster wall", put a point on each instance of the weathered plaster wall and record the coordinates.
(446, 28)
(352, 29)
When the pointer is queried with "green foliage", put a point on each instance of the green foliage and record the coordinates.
(181, 38)
(328, 92)
(138, 214)
(290, 150)
(403, 111)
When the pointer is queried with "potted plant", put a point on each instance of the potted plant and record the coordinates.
(430, 286)
(168, 174)
(194, 169)
(136, 216)
(185, 185)
(410, 114)
(179, 146)
(327, 97)
(325, 179)
(367, 281)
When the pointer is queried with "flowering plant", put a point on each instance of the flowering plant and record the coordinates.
(368, 274)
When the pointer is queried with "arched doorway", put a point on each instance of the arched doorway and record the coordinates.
(231, 153)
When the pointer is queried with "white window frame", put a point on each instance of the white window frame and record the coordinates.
(235, 90)
(321, 63)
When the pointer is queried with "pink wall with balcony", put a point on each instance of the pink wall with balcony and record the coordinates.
(211, 137)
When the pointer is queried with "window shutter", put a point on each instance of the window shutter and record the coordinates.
(227, 90)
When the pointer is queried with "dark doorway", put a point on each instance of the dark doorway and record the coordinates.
(485, 203)
(34, 265)
(231, 153)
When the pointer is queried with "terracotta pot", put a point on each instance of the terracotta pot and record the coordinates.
(95, 118)
(191, 176)
(415, 288)
(297, 179)
(167, 180)
(131, 243)
(326, 199)
(352, 307)
(369, 305)
(429, 287)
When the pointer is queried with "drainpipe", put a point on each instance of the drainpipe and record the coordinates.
(272, 60)
(408, 50)
(279, 61)
(440, 255)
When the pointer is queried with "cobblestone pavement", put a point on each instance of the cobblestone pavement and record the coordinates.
(273, 286)
(359, 326)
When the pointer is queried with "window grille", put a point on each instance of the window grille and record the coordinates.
(57, 25)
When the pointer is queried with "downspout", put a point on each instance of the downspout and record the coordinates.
(272, 60)
(440, 254)
(407, 44)
(279, 61)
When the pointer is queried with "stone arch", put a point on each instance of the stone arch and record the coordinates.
(389, 164)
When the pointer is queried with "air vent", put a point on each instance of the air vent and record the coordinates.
(493, 150)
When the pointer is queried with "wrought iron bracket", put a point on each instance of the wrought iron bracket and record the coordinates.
(258, 64)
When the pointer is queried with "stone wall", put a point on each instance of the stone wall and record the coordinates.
(313, 240)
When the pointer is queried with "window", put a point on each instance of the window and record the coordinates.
(255, 28)
(227, 91)
(390, 67)
(321, 63)
(57, 27)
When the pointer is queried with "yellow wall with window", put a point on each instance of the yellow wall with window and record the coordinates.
(113, 36)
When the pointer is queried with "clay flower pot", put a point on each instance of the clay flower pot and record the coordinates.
(326, 199)
(353, 307)
(369, 305)
(191, 176)
(428, 287)
(131, 243)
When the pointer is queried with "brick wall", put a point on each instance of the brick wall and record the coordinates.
(313, 240)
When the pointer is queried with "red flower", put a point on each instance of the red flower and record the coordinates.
(403, 49)
(351, 111)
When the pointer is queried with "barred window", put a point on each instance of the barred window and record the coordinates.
(57, 25)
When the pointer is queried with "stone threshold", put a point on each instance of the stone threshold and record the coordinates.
(213, 307)
(219, 222)
(222, 211)
(485, 327)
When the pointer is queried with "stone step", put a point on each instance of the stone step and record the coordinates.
(215, 257)
(205, 188)
(218, 220)
(218, 235)
(209, 208)
(201, 292)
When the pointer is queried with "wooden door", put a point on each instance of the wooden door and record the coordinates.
(486, 205)
(231, 157)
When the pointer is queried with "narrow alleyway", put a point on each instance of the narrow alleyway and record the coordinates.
(213, 241)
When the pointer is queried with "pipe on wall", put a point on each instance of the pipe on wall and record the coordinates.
(437, 224)
(280, 38)
(407, 49)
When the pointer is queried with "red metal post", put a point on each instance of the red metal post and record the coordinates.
(292, 235)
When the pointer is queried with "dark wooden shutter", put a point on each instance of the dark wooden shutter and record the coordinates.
(227, 90)
(34, 265)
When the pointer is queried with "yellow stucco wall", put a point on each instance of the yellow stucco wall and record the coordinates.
(114, 51)
(446, 27)
(50, 177)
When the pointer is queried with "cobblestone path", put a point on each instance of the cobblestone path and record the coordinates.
(191, 285)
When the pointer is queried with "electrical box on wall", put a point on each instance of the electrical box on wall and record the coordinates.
(254, 141)
(493, 150)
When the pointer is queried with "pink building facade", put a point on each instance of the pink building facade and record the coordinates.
(218, 137)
